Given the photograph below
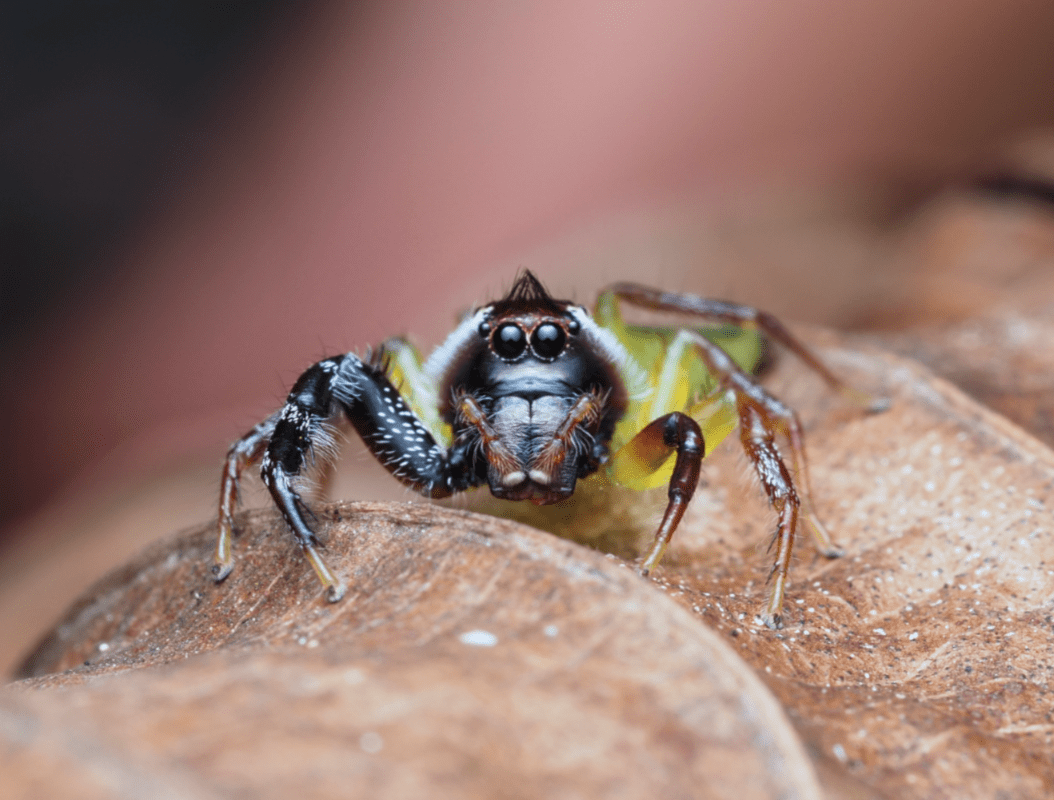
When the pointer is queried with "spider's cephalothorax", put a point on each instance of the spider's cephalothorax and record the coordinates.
(528, 396)
(530, 389)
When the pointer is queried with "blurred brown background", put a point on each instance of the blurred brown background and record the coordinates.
(185, 233)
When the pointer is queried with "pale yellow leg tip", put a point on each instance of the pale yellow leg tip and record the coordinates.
(336, 592)
(220, 571)
(773, 622)
(334, 586)
(872, 404)
(651, 562)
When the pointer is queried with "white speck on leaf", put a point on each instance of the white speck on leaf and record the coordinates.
(478, 638)
(371, 742)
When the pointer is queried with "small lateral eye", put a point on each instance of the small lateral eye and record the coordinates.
(573, 327)
(509, 341)
(484, 329)
(548, 340)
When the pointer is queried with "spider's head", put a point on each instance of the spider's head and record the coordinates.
(528, 325)
(534, 393)
(532, 369)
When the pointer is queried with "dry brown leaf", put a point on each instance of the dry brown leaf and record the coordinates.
(471, 658)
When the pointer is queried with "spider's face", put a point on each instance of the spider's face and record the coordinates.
(537, 470)
(529, 355)
(531, 371)
(533, 395)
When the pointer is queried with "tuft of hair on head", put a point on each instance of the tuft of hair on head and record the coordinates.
(528, 294)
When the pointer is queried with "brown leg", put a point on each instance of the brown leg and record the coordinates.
(756, 434)
(783, 420)
(244, 452)
(744, 317)
(681, 432)
(762, 418)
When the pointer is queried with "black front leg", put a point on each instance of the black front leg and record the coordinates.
(292, 441)
(302, 435)
(397, 437)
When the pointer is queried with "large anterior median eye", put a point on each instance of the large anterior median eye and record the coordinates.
(509, 341)
(548, 340)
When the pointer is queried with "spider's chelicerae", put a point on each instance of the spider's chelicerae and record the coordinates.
(530, 395)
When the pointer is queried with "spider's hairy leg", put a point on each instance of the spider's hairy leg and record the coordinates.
(300, 431)
(675, 431)
(243, 453)
(406, 371)
(397, 436)
(758, 440)
(381, 416)
(782, 419)
(750, 318)
(762, 417)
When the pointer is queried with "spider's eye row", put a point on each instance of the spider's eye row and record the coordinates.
(509, 341)
(548, 341)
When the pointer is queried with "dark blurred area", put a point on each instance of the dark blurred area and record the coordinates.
(103, 105)
(100, 104)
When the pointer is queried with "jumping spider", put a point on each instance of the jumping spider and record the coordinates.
(529, 395)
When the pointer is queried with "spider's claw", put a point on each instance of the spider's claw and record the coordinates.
(879, 404)
(335, 593)
(824, 543)
(875, 404)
